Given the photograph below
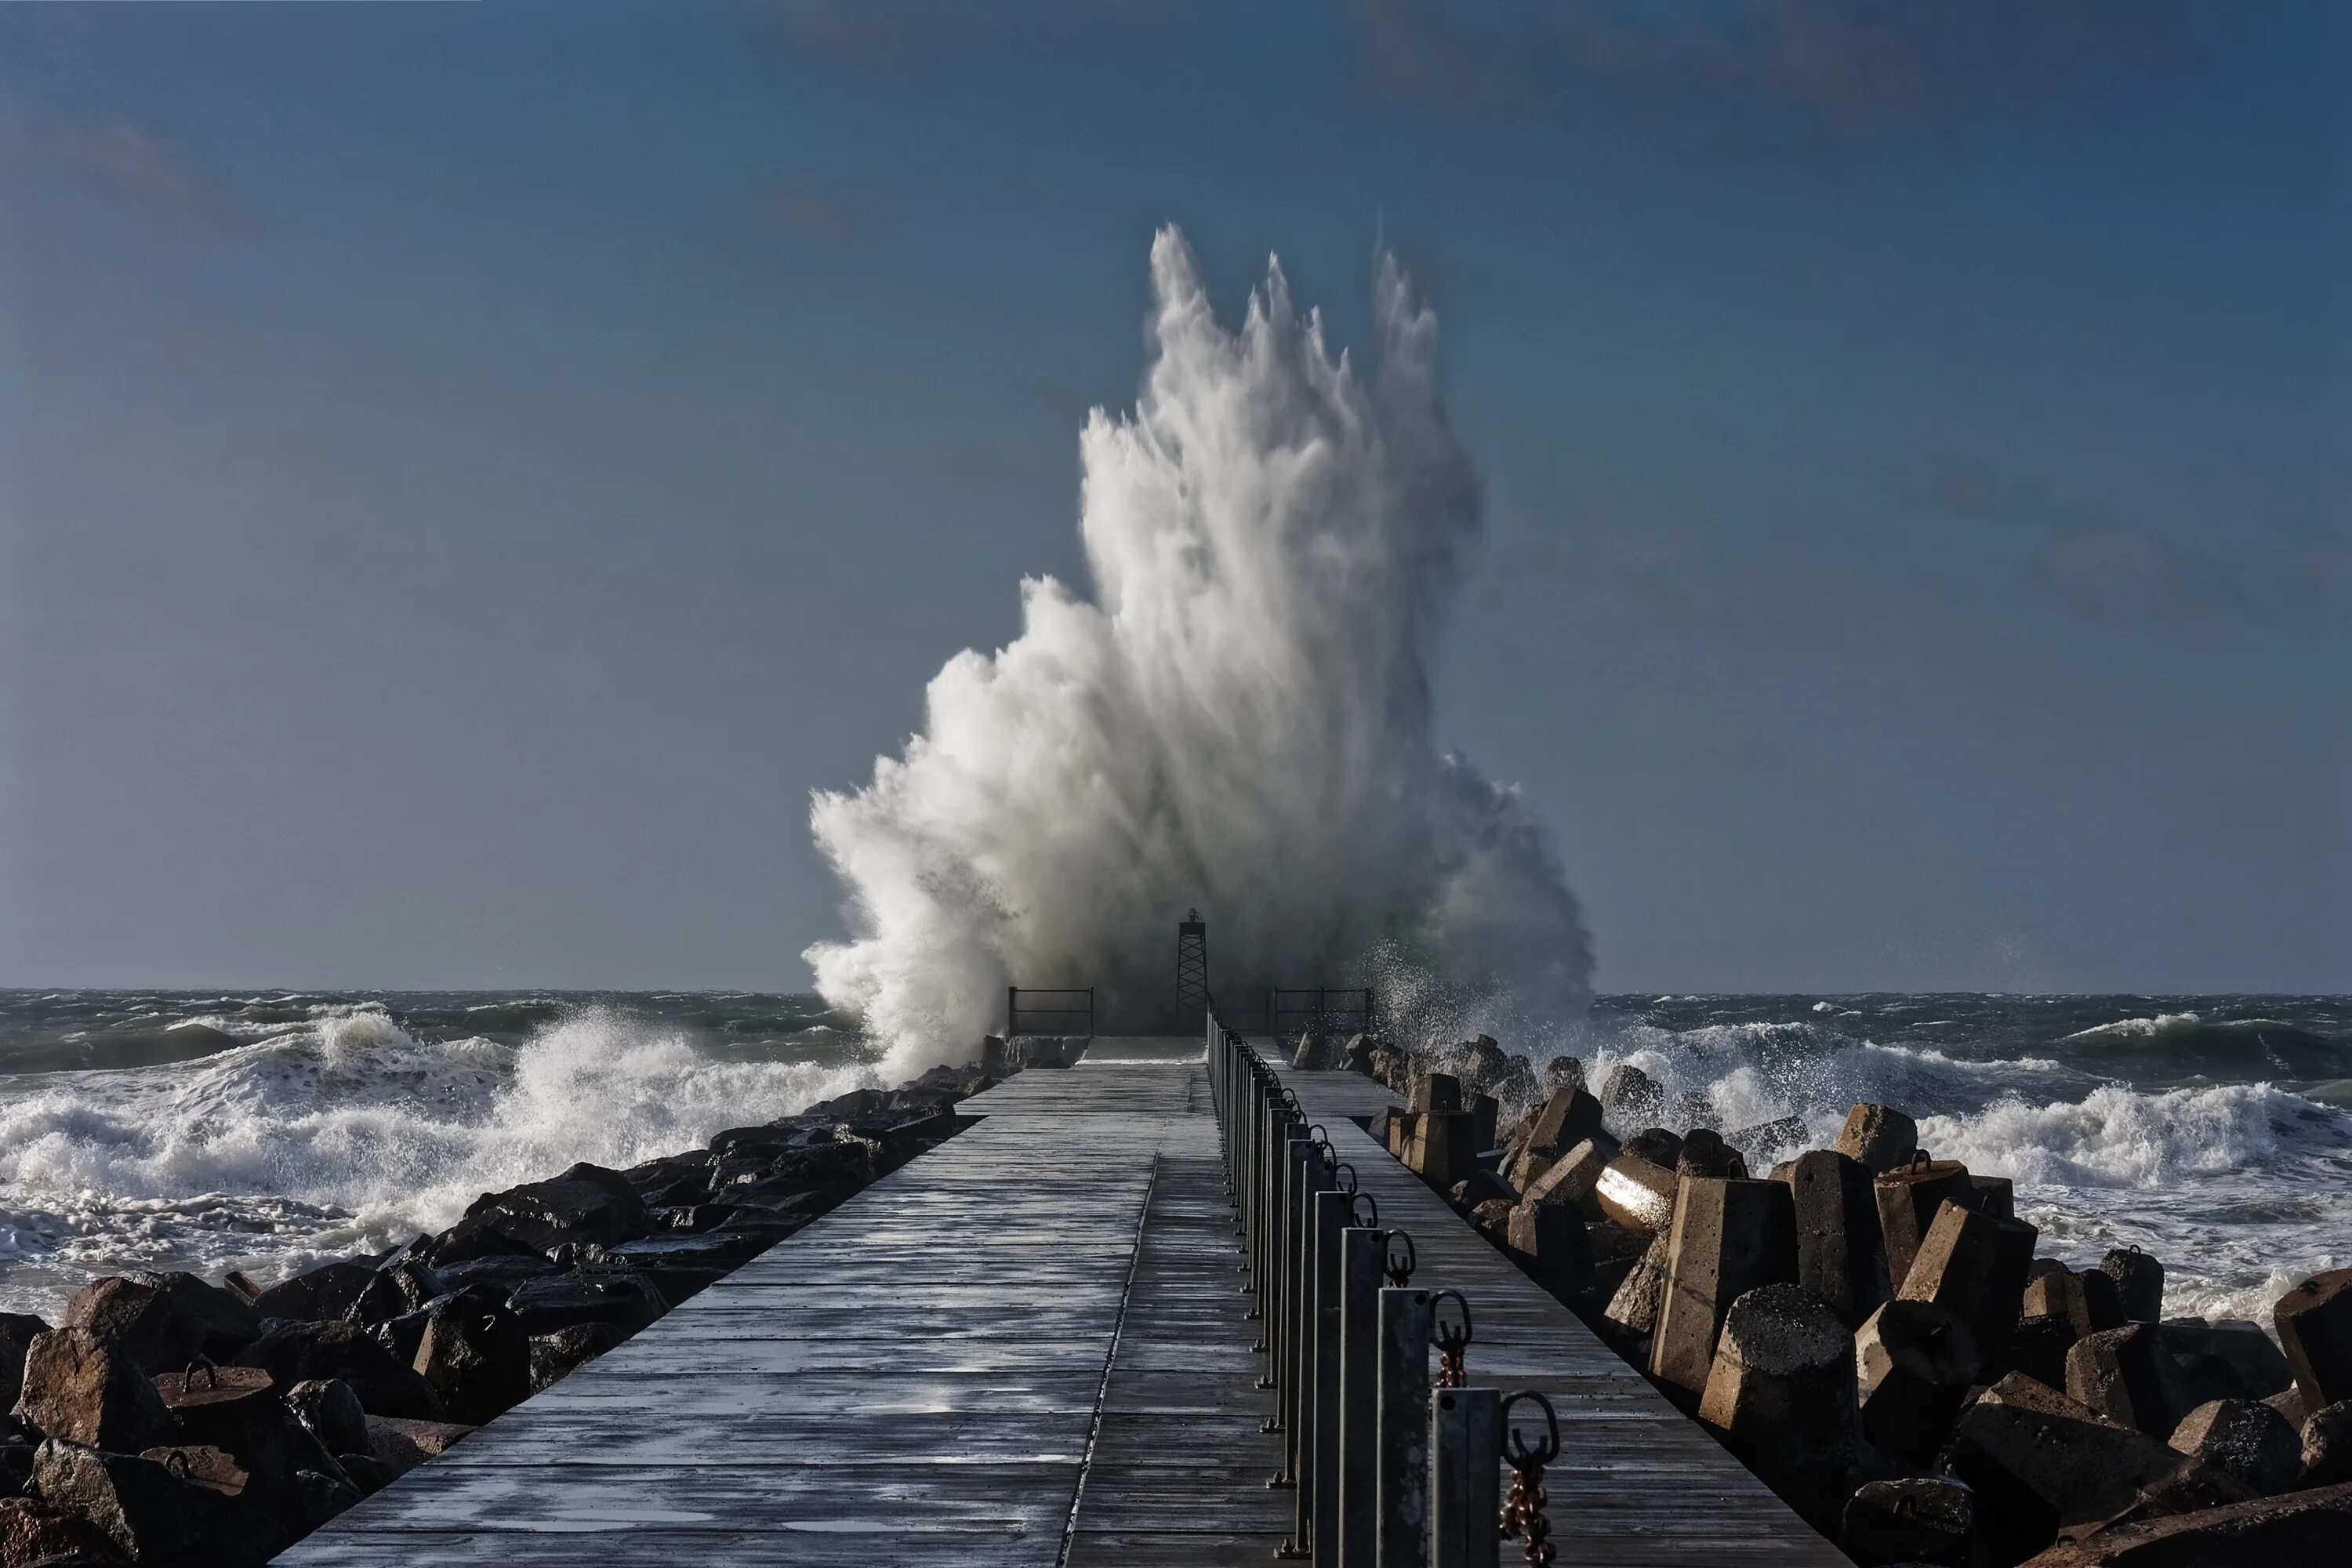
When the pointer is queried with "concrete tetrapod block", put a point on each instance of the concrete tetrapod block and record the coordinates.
(1878, 1137)
(1636, 1193)
(2315, 1329)
(1907, 1201)
(1633, 1306)
(1975, 1265)
(2060, 1293)
(2139, 1283)
(1840, 1254)
(1547, 1240)
(1434, 1091)
(2301, 1530)
(1728, 1238)
(2039, 1347)
(1781, 1392)
(1571, 1179)
(1630, 1097)
(1569, 1118)
(1914, 1519)
(2327, 1446)
(1445, 1148)
(1914, 1364)
(2232, 1359)
(2040, 1460)
(2246, 1439)
(2128, 1376)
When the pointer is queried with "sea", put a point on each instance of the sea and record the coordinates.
(269, 1131)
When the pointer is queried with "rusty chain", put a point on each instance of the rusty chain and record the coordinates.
(1524, 1517)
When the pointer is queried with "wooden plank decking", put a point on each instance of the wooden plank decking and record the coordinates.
(1026, 1347)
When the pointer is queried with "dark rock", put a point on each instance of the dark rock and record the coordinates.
(2039, 1460)
(2039, 1349)
(555, 1356)
(215, 1469)
(80, 1389)
(1630, 1097)
(17, 1330)
(297, 1353)
(1633, 1306)
(1729, 1238)
(1840, 1257)
(331, 1412)
(162, 1321)
(2315, 1329)
(367, 1474)
(2327, 1446)
(321, 1294)
(1636, 1195)
(2248, 1439)
(2139, 1283)
(1658, 1145)
(404, 1285)
(709, 1250)
(585, 1203)
(35, 1535)
(1879, 1136)
(1914, 1519)
(2127, 1375)
(498, 1272)
(1913, 1362)
(2302, 1530)
(2289, 1403)
(628, 1302)
(149, 1514)
(402, 1446)
(2229, 1359)
(1562, 1072)
(1766, 1142)
(476, 1357)
(1548, 1241)
(1975, 1265)
(1908, 1197)
(237, 1411)
(1781, 1392)
(1705, 1153)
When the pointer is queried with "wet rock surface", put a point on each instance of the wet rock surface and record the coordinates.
(172, 1421)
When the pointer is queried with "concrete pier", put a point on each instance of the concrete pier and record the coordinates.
(1031, 1346)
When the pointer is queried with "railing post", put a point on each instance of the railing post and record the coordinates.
(1466, 1493)
(1352, 1507)
(1400, 1401)
(1320, 1400)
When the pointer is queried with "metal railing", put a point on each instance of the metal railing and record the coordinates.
(1035, 1010)
(1287, 1012)
(1382, 1473)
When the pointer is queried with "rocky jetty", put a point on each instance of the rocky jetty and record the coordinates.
(1870, 1329)
(172, 1420)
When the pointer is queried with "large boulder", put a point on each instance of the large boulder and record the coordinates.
(319, 1294)
(164, 1322)
(2247, 1440)
(1911, 1519)
(331, 1414)
(296, 1353)
(1781, 1392)
(2315, 1329)
(78, 1388)
(402, 1446)
(1913, 1362)
(237, 1410)
(477, 1356)
(1878, 1138)
(2040, 1460)
(147, 1513)
(585, 1203)
(628, 1302)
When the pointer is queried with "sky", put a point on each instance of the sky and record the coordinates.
(469, 472)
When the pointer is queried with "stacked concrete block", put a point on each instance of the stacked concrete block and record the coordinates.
(1840, 1254)
(1728, 1238)
(1974, 1265)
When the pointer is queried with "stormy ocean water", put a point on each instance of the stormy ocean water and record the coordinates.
(265, 1131)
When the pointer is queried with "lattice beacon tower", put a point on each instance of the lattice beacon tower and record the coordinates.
(1192, 967)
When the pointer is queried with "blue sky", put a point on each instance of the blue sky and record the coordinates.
(467, 472)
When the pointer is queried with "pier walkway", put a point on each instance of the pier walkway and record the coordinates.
(1027, 1347)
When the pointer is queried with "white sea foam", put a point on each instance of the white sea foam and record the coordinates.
(346, 1131)
(1239, 719)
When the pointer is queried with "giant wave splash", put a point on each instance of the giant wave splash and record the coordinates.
(1240, 720)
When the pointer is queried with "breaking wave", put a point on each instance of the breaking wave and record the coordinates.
(1238, 721)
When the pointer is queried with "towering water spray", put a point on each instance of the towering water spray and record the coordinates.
(1239, 722)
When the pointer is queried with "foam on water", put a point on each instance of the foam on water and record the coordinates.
(344, 1132)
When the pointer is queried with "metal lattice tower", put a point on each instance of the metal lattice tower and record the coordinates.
(1191, 966)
